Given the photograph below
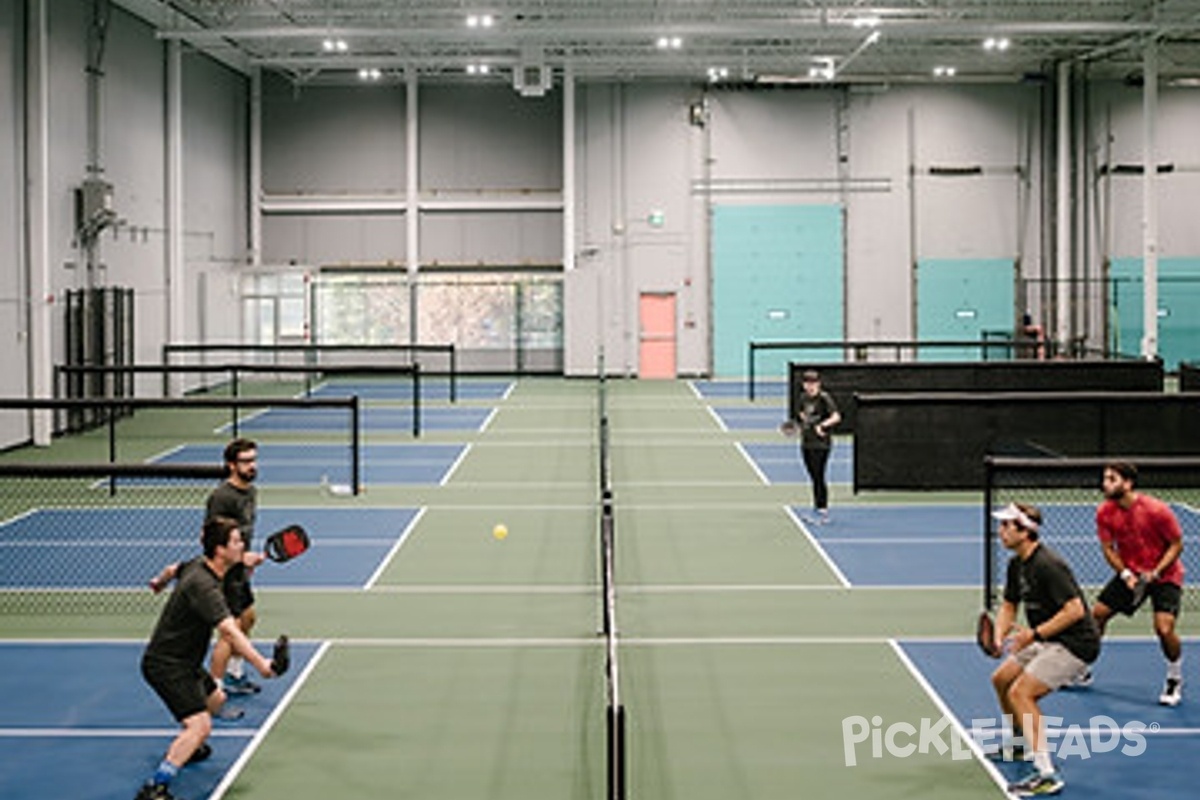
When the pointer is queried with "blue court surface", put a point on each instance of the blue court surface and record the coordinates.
(942, 545)
(738, 418)
(372, 418)
(782, 463)
(79, 722)
(1099, 742)
(307, 464)
(73, 548)
(740, 389)
(432, 388)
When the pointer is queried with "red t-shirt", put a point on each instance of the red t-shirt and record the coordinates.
(1142, 533)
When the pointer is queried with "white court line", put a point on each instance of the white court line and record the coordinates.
(512, 387)
(261, 734)
(990, 768)
(761, 477)
(408, 529)
(454, 467)
(902, 539)
(170, 451)
(488, 420)
(716, 418)
(114, 733)
(21, 516)
(696, 391)
(817, 546)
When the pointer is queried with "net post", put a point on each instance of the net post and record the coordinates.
(750, 371)
(355, 454)
(416, 423)
(453, 374)
(112, 449)
(989, 469)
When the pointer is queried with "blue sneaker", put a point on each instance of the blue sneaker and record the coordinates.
(1037, 785)
(240, 686)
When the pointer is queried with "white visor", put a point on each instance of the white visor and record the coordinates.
(1011, 512)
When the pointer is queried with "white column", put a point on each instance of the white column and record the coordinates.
(255, 177)
(1150, 203)
(176, 289)
(1062, 235)
(412, 210)
(568, 181)
(37, 217)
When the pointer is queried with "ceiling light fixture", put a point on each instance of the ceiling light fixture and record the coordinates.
(944, 72)
(480, 20)
(717, 74)
(370, 74)
(335, 46)
(997, 44)
(669, 43)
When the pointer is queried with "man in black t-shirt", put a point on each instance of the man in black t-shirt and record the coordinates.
(237, 498)
(1059, 642)
(173, 662)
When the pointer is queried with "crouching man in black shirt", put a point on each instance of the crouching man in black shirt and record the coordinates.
(173, 661)
(1059, 643)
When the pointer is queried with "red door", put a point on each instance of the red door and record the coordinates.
(656, 335)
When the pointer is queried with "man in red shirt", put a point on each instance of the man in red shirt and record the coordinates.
(1142, 542)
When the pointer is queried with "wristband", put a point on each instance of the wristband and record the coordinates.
(1126, 574)
(1037, 637)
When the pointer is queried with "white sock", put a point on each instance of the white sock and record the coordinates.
(1043, 762)
(1175, 669)
(236, 667)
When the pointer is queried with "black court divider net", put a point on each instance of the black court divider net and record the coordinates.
(71, 545)
(1068, 493)
(430, 359)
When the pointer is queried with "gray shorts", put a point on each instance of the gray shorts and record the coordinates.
(1051, 663)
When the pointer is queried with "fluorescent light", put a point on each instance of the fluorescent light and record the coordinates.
(944, 72)
(335, 45)
(867, 21)
(996, 43)
(718, 73)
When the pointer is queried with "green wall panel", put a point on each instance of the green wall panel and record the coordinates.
(1178, 308)
(777, 275)
(960, 299)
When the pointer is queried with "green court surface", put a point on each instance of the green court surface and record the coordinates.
(472, 667)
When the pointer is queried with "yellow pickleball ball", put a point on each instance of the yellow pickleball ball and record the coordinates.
(500, 531)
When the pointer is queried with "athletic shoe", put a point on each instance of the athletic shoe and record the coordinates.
(1083, 680)
(1037, 785)
(1172, 693)
(203, 752)
(154, 791)
(823, 517)
(229, 713)
(240, 686)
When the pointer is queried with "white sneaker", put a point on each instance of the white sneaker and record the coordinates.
(1083, 679)
(1172, 693)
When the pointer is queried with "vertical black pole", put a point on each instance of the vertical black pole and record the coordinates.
(453, 375)
(355, 428)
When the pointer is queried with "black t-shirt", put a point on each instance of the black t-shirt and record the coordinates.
(1044, 583)
(239, 505)
(813, 410)
(192, 611)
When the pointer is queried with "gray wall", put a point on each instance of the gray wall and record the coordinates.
(132, 137)
(13, 356)
(638, 153)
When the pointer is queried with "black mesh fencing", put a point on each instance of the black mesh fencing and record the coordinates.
(1067, 491)
(85, 539)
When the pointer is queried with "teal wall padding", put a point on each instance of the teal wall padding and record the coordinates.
(777, 275)
(1178, 308)
(960, 299)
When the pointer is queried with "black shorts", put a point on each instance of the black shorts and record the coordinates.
(184, 690)
(1164, 597)
(236, 586)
